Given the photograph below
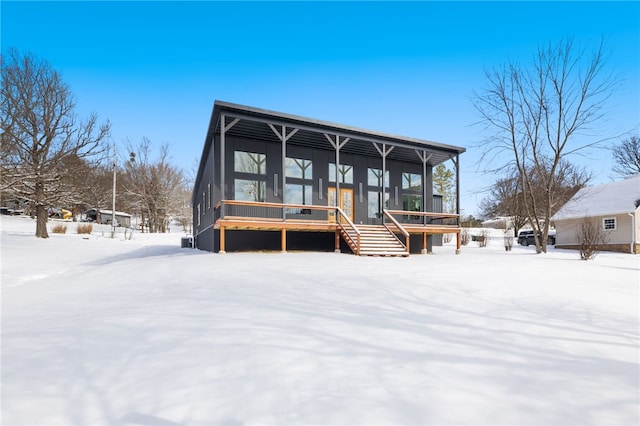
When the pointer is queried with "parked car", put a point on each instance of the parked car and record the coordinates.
(526, 238)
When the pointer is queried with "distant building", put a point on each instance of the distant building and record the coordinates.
(612, 206)
(106, 216)
(500, 222)
(269, 180)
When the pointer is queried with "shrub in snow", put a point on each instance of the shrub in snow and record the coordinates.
(85, 228)
(465, 237)
(508, 239)
(590, 237)
(483, 238)
(59, 228)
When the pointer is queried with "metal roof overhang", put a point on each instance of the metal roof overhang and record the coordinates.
(254, 124)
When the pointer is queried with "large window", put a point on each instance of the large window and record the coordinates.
(375, 178)
(299, 168)
(250, 176)
(412, 203)
(376, 204)
(299, 185)
(298, 194)
(376, 200)
(345, 173)
(411, 182)
(250, 162)
(250, 190)
(412, 193)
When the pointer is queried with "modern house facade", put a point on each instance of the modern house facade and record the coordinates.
(274, 181)
(613, 207)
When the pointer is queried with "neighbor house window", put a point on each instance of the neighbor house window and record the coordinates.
(209, 195)
(198, 214)
(250, 182)
(609, 223)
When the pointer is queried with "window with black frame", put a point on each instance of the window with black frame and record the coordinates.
(345, 173)
(412, 194)
(299, 184)
(377, 199)
(250, 183)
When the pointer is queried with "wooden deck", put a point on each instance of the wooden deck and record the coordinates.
(339, 224)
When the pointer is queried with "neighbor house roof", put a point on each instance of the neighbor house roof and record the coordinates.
(602, 200)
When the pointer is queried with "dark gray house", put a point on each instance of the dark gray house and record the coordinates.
(275, 181)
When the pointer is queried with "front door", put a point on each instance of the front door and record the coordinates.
(345, 202)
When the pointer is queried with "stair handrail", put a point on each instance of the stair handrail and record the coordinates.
(341, 213)
(401, 228)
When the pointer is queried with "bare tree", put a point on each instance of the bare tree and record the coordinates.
(98, 191)
(506, 199)
(590, 238)
(153, 187)
(535, 114)
(627, 157)
(41, 135)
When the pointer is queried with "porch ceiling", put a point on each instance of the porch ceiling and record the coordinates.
(254, 123)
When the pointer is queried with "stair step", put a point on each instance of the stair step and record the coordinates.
(375, 240)
(383, 253)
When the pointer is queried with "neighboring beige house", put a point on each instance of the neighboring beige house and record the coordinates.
(613, 206)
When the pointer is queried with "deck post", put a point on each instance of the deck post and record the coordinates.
(458, 241)
(222, 240)
(224, 128)
(337, 247)
(283, 139)
(283, 240)
(223, 192)
(424, 243)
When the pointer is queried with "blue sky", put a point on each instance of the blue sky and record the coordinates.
(154, 69)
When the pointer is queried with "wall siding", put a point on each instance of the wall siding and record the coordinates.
(615, 240)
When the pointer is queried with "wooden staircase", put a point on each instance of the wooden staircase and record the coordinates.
(375, 240)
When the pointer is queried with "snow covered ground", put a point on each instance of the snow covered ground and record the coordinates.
(100, 331)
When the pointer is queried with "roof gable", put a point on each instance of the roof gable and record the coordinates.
(601, 200)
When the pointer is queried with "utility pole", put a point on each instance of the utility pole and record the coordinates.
(113, 204)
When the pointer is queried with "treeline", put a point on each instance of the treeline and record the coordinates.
(50, 158)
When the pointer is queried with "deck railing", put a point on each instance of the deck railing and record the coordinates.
(268, 215)
(342, 219)
(269, 211)
(427, 218)
(278, 212)
(395, 224)
(226, 209)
